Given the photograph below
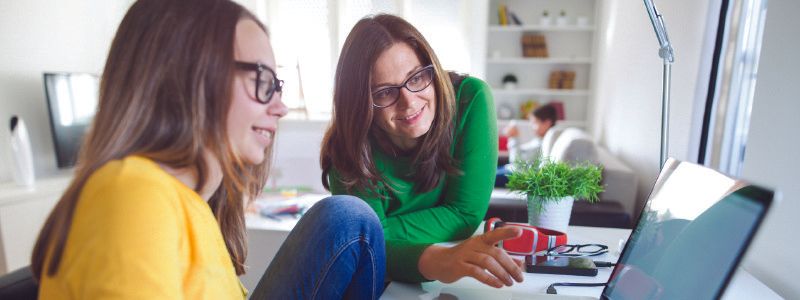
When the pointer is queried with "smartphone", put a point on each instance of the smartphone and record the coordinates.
(580, 266)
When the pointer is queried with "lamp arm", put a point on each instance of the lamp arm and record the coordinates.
(665, 52)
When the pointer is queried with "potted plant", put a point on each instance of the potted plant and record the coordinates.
(545, 20)
(551, 187)
(562, 18)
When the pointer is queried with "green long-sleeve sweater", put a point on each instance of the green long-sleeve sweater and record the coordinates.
(452, 210)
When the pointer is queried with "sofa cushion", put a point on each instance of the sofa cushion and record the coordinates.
(549, 139)
(573, 145)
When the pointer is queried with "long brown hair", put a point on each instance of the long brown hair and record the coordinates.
(164, 94)
(346, 146)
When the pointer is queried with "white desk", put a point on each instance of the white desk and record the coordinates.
(743, 285)
(264, 238)
(22, 214)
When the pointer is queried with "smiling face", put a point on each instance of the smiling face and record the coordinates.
(412, 115)
(252, 125)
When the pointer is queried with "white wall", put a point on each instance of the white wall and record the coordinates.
(627, 116)
(627, 119)
(43, 35)
(296, 155)
(772, 147)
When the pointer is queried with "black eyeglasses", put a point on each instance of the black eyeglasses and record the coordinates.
(266, 83)
(388, 96)
(581, 250)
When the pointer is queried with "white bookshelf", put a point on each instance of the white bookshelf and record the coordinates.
(569, 123)
(499, 91)
(571, 47)
(534, 60)
(520, 28)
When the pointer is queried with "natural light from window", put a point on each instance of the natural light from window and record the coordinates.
(307, 36)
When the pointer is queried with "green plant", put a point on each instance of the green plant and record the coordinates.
(551, 181)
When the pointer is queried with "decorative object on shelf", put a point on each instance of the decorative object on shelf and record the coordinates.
(527, 107)
(534, 45)
(502, 14)
(505, 111)
(582, 21)
(21, 153)
(543, 48)
(561, 80)
(559, 107)
(509, 81)
(545, 20)
(513, 19)
(551, 187)
(562, 18)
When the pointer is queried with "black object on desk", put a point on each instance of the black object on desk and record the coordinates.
(579, 266)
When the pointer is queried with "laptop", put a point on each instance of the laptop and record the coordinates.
(689, 239)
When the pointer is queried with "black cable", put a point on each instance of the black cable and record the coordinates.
(551, 289)
(603, 264)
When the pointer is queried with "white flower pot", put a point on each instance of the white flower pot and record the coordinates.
(554, 215)
(561, 21)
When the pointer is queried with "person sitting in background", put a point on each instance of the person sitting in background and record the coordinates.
(542, 119)
(182, 139)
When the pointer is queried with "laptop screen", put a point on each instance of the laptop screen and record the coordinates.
(690, 237)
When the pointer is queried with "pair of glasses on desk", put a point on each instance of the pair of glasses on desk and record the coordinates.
(574, 250)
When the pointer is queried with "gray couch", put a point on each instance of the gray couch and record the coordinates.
(574, 145)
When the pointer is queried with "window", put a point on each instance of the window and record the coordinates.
(727, 115)
(307, 36)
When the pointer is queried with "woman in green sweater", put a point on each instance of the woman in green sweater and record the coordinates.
(419, 145)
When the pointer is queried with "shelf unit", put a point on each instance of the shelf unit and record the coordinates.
(518, 28)
(571, 47)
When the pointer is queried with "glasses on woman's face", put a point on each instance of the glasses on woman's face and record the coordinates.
(580, 250)
(388, 96)
(266, 82)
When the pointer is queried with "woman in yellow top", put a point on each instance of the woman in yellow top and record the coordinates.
(189, 105)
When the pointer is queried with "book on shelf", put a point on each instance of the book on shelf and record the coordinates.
(502, 14)
(559, 107)
(506, 16)
(561, 80)
(514, 18)
(534, 45)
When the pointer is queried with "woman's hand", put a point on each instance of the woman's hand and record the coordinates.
(476, 257)
(511, 130)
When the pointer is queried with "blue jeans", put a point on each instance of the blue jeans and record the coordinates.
(501, 178)
(336, 251)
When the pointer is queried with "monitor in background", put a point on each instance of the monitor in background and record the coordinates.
(71, 102)
(691, 236)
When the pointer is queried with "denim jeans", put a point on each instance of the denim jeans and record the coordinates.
(336, 251)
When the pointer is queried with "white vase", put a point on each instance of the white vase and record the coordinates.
(561, 21)
(22, 166)
(554, 215)
(545, 21)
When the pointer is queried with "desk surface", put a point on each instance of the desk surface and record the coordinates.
(743, 286)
